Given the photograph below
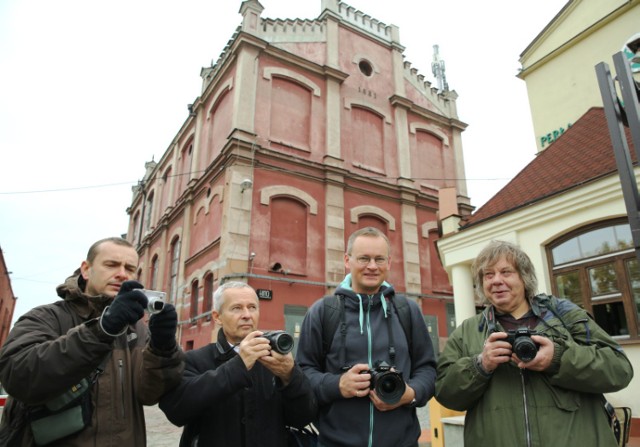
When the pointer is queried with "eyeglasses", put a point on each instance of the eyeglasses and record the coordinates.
(365, 260)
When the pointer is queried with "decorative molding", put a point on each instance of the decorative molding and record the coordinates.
(358, 211)
(281, 190)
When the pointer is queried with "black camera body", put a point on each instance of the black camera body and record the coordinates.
(388, 385)
(280, 341)
(521, 343)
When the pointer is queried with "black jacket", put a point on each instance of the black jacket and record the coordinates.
(221, 403)
(353, 421)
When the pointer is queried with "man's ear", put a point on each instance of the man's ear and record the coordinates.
(216, 317)
(84, 270)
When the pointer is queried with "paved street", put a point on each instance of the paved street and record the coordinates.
(160, 432)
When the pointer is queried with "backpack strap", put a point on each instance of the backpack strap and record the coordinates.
(333, 318)
(333, 315)
(401, 305)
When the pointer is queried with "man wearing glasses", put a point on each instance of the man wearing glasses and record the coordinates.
(378, 365)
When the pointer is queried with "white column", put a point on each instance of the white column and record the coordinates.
(463, 294)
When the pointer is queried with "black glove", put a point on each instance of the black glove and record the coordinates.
(126, 309)
(163, 327)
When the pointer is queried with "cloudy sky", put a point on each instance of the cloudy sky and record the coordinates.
(91, 90)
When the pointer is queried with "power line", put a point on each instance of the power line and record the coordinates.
(109, 185)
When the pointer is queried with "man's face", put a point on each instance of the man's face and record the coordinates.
(113, 265)
(366, 277)
(504, 288)
(239, 314)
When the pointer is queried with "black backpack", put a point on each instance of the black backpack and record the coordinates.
(333, 317)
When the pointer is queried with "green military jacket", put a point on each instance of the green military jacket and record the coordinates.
(511, 407)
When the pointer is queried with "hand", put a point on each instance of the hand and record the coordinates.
(281, 365)
(252, 348)
(496, 350)
(354, 384)
(163, 327)
(407, 397)
(543, 358)
(127, 308)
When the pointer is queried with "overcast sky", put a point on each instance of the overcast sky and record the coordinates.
(92, 89)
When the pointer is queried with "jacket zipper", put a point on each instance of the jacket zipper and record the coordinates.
(371, 412)
(121, 377)
(527, 428)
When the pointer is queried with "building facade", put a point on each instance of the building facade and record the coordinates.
(304, 131)
(558, 66)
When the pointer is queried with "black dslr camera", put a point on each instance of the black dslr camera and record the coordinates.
(519, 339)
(280, 341)
(388, 385)
(521, 343)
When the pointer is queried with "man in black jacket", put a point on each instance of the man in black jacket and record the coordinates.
(350, 412)
(238, 391)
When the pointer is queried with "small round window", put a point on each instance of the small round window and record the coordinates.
(365, 68)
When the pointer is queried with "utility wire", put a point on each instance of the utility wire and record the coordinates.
(109, 185)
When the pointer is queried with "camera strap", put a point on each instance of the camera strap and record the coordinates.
(392, 349)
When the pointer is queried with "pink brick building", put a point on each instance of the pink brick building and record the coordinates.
(304, 131)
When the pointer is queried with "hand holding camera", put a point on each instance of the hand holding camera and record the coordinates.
(387, 382)
(127, 308)
(163, 325)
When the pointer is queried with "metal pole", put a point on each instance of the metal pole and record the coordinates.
(620, 147)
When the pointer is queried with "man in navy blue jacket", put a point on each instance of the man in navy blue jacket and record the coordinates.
(351, 414)
(239, 392)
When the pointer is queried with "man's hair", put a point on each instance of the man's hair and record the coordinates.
(218, 296)
(514, 255)
(368, 232)
(93, 250)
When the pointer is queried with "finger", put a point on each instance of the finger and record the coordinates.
(130, 285)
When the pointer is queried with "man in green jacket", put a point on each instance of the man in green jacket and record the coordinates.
(530, 369)
(94, 332)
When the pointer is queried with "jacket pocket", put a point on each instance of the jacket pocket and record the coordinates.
(563, 399)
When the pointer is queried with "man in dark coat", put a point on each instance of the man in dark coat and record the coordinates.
(239, 391)
(95, 331)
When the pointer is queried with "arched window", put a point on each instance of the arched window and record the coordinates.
(147, 212)
(153, 280)
(195, 288)
(290, 112)
(173, 274)
(207, 294)
(367, 138)
(288, 237)
(596, 267)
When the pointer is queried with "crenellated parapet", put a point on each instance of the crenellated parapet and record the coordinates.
(292, 30)
(426, 88)
(209, 73)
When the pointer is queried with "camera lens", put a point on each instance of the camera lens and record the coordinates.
(283, 343)
(389, 386)
(525, 349)
(280, 341)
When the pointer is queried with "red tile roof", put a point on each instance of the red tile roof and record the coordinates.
(581, 155)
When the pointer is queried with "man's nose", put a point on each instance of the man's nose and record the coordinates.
(372, 261)
(497, 278)
(122, 272)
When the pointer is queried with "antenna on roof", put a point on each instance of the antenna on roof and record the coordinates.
(437, 68)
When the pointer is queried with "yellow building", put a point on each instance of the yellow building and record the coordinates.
(558, 66)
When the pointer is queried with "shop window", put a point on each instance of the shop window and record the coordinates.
(596, 267)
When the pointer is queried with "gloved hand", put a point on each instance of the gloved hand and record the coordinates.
(127, 308)
(163, 327)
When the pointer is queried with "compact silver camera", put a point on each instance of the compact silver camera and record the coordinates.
(156, 300)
